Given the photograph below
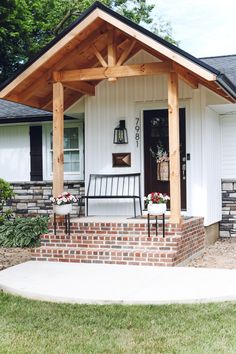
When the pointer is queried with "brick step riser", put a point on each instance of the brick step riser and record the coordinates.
(128, 257)
(122, 244)
(105, 256)
(147, 244)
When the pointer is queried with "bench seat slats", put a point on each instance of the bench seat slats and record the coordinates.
(100, 184)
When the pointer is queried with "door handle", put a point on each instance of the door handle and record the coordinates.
(183, 168)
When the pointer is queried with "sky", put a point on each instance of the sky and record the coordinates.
(203, 27)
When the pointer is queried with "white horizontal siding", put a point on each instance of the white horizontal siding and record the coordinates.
(228, 136)
(14, 153)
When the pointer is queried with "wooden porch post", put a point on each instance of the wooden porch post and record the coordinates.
(174, 148)
(58, 138)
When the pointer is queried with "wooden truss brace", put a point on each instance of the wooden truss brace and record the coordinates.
(111, 51)
(101, 73)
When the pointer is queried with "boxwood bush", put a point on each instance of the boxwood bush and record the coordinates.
(22, 232)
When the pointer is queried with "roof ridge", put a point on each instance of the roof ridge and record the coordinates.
(219, 56)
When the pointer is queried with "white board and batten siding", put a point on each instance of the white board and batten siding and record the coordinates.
(15, 153)
(113, 102)
(212, 160)
(126, 99)
(228, 136)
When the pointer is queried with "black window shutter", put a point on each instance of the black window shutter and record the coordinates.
(36, 157)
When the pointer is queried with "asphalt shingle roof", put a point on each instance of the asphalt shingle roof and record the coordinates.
(226, 64)
(9, 110)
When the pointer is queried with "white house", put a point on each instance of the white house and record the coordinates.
(126, 80)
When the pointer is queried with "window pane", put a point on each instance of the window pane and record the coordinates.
(71, 161)
(71, 158)
(71, 167)
(71, 140)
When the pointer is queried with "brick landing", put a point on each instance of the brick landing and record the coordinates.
(122, 243)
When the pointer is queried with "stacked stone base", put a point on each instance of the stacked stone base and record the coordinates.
(228, 222)
(33, 198)
(122, 243)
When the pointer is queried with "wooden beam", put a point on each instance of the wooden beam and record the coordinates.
(126, 53)
(174, 148)
(111, 52)
(62, 43)
(100, 57)
(58, 139)
(115, 71)
(81, 86)
(157, 46)
(65, 60)
(186, 76)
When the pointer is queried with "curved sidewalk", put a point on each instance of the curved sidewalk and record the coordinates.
(105, 284)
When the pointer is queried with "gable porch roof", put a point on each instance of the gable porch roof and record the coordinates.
(84, 44)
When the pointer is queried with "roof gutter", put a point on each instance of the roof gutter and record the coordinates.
(226, 85)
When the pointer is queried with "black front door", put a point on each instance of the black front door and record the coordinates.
(156, 143)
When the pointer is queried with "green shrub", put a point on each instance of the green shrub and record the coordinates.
(23, 232)
(6, 193)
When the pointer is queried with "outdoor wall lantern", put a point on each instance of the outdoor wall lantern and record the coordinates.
(120, 134)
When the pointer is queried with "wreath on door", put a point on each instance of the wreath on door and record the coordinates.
(162, 160)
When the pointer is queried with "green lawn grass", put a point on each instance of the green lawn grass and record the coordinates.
(39, 327)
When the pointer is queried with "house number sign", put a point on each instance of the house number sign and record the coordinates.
(137, 130)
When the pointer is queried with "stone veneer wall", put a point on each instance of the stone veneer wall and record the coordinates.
(228, 222)
(122, 243)
(32, 198)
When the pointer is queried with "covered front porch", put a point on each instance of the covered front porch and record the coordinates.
(96, 52)
(119, 71)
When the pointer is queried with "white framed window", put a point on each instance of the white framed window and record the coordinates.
(73, 151)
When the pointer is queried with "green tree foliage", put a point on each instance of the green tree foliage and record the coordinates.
(27, 25)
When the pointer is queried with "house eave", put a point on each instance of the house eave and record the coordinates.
(226, 85)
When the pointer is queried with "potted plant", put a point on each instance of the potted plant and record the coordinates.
(62, 205)
(155, 203)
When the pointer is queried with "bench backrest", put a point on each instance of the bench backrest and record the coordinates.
(114, 185)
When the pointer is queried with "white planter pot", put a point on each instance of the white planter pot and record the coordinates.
(156, 209)
(62, 209)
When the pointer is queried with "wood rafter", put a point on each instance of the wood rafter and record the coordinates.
(100, 57)
(186, 76)
(46, 77)
(101, 73)
(111, 51)
(82, 87)
(124, 56)
(70, 97)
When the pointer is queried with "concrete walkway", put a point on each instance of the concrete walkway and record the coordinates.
(105, 284)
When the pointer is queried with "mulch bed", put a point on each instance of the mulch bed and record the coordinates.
(12, 256)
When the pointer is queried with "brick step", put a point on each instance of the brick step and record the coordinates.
(92, 237)
(139, 256)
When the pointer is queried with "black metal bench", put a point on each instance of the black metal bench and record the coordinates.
(123, 186)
